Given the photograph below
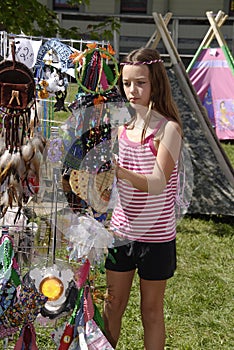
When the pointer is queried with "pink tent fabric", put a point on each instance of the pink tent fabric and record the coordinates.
(214, 82)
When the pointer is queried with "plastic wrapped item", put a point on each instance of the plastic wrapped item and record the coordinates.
(88, 238)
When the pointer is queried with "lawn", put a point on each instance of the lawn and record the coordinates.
(199, 298)
(229, 150)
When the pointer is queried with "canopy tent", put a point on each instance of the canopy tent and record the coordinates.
(213, 175)
(212, 75)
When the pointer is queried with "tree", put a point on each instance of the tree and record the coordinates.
(33, 18)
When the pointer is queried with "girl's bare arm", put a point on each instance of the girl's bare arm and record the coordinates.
(167, 155)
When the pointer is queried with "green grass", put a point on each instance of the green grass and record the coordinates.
(199, 301)
(229, 150)
(199, 298)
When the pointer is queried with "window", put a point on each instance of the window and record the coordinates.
(63, 5)
(231, 8)
(133, 6)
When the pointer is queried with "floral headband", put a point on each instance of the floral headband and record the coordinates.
(144, 62)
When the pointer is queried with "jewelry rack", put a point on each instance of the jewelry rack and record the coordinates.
(45, 218)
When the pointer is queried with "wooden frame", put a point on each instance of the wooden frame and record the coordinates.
(155, 37)
(218, 21)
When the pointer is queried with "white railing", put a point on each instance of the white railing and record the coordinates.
(135, 31)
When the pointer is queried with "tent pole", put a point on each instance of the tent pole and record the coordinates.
(220, 19)
(221, 41)
(167, 40)
(219, 24)
(155, 37)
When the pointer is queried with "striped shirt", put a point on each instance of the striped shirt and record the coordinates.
(139, 215)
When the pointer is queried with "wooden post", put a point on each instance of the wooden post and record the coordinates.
(167, 40)
(155, 38)
(221, 41)
(219, 19)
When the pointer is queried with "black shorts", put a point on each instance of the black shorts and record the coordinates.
(154, 261)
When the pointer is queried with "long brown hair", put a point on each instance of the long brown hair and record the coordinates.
(161, 95)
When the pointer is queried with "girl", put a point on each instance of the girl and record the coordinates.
(144, 218)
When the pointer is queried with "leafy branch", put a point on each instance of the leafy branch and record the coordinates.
(32, 18)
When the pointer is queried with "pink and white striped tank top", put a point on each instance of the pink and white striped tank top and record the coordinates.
(138, 215)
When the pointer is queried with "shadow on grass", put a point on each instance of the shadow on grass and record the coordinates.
(219, 225)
